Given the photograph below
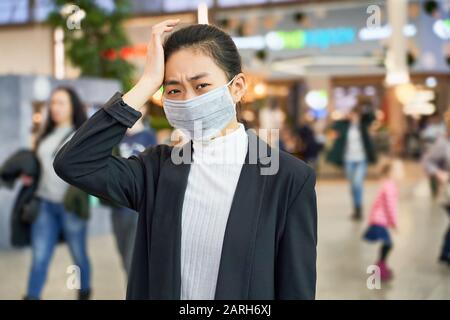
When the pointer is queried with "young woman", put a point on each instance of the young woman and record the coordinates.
(353, 149)
(66, 114)
(206, 230)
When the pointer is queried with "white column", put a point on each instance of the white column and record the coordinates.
(58, 53)
(202, 13)
(396, 64)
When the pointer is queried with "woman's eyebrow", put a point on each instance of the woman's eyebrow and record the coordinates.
(171, 82)
(196, 77)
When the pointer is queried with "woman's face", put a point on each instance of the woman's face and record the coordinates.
(190, 73)
(60, 107)
(354, 116)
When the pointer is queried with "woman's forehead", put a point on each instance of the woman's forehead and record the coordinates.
(186, 64)
(59, 95)
(189, 57)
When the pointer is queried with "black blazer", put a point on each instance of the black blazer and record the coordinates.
(269, 248)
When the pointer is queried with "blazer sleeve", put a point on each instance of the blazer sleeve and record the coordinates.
(296, 258)
(86, 160)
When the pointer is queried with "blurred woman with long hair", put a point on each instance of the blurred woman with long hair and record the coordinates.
(55, 218)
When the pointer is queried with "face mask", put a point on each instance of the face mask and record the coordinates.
(202, 117)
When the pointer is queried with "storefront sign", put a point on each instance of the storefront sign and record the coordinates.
(298, 39)
(316, 38)
(319, 38)
(384, 32)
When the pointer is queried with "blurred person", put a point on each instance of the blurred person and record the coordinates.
(383, 216)
(413, 148)
(124, 220)
(437, 163)
(310, 146)
(183, 250)
(272, 118)
(288, 141)
(434, 129)
(353, 148)
(63, 210)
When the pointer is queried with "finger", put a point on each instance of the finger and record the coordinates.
(161, 29)
(170, 22)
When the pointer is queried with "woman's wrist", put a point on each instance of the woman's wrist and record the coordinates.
(149, 82)
(141, 92)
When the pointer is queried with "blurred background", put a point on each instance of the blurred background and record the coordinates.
(309, 64)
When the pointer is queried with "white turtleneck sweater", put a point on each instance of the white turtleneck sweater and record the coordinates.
(212, 181)
(51, 187)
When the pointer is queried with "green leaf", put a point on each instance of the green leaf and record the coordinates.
(100, 31)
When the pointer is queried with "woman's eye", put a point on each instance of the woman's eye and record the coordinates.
(202, 85)
(173, 91)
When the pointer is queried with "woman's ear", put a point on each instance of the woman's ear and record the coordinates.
(238, 87)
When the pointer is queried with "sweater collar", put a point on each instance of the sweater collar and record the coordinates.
(227, 149)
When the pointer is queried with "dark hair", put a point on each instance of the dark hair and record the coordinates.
(364, 105)
(386, 168)
(211, 41)
(357, 110)
(78, 113)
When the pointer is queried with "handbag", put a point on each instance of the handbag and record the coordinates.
(30, 210)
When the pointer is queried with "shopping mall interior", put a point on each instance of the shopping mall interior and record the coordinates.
(308, 65)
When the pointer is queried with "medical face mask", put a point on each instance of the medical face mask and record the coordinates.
(202, 117)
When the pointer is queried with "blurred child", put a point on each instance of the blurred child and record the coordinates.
(383, 216)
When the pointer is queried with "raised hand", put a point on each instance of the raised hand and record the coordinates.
(153, 75)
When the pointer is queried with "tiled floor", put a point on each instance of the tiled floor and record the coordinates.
(342, 262)
(344, 257)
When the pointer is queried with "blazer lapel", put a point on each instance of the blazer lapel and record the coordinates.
(165, 243)
(240, 234)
